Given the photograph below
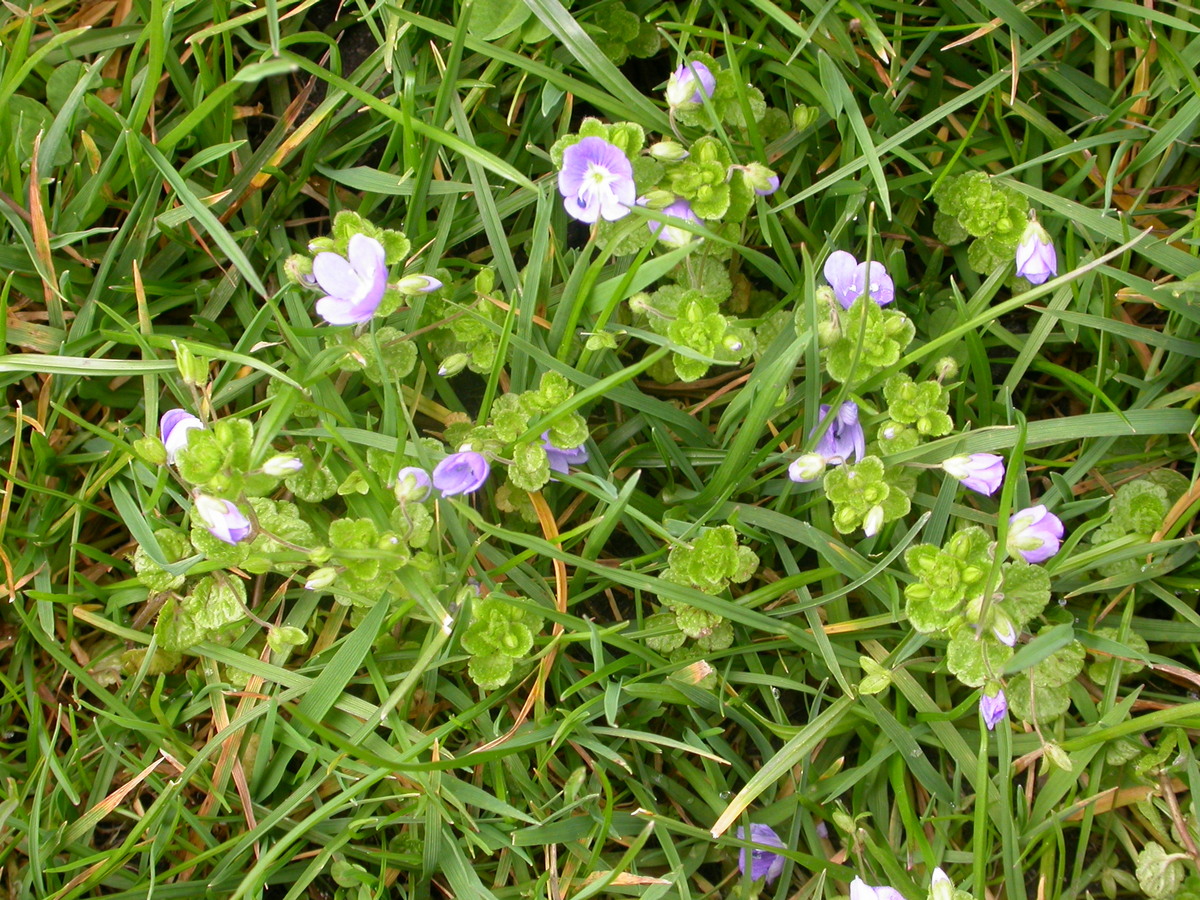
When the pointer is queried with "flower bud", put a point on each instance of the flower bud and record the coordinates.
(298, 269)
(761, 179)
(668, 151)
(808, 467)
(658, 199)
(941, 887)
(1035, 534)
(945, 368)
(993, 709)
(981, 472)
(804, 117)
(282, 465)
(453, 364)
(174, 427)
(193, 369)
(690, 84)
(322, 578)
(1035, 257)
(222, 519)
(411, 285)
(413, 485)
(873, 520)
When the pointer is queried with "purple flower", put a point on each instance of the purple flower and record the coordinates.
(353, 286)
(561, 460)
(222, 519)
(596, 181)
(1036, 259)
(690, 84)
(413, 485)
(461, 473)
(993, 709)
(849, 280)
(763, 862)
(1034, 533)
(844, 437)
(982, 472)
(860, 890)
(671, 234)
(174, 427)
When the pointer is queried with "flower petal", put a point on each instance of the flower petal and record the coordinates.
(367, 257)
(839, 272)
(337, 311)
(336, 276)
(878, 285)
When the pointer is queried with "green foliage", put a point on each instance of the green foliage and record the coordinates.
(864, 495)
(922, 405)
(974, 205)
(861, 341)
(500, 635)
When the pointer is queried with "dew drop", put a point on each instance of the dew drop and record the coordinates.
(775, 692)
(725, 795)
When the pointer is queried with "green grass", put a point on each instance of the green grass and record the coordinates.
(158, 171)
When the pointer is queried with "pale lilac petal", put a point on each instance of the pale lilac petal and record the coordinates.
(335, 275)
(367, 257)
(575, 166)
(879, 286)
(337, 311)
(839, 272)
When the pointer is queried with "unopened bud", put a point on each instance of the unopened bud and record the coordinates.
(873, 521)
(453, 364)
(298, 269)
(413, 485)
(762, 180)
(804, 117)
(322, 578)
(808, 467)
(657, 200)
(193, 369)
(668, 151)
(945, 368)
(411, 285)
(283, 465)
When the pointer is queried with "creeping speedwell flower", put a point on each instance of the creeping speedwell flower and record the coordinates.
(860, 890)
(222, 518)
(850, 280)
(982, 472)
(763, 863)
(690, 84)
(461, 473)
(561, 460)
(174, 427)
(844, 438)
(993, 709)
(1036, 259)
(353, 286)
(596, 181)
(1034, 533)
(670, 234)
(412, 485)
